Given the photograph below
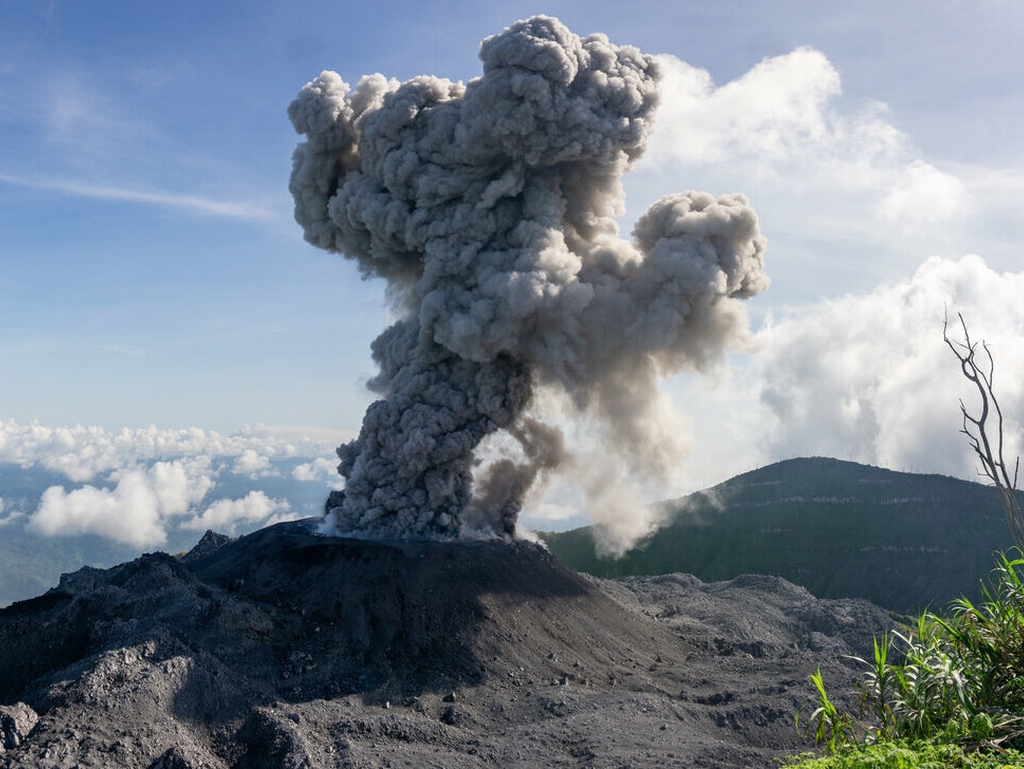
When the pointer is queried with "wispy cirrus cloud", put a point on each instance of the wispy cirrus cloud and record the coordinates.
(121, 349)
(195, 204)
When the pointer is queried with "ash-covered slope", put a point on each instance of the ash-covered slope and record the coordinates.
(284, 648)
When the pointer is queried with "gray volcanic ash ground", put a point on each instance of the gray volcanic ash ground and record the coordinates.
(284, 648)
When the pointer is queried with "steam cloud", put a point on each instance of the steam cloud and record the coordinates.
(488, 207)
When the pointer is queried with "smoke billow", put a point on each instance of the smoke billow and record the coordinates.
(489, 208)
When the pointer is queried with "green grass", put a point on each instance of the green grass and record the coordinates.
(907, 755)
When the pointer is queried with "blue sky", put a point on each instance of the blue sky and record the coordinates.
(151, 272)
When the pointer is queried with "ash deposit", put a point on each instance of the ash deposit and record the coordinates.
(287, 648)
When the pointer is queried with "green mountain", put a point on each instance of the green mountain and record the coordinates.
(904, 541)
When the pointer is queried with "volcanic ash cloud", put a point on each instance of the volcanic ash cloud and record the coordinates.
(488, 207)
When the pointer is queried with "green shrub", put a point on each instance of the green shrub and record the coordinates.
(951, 689)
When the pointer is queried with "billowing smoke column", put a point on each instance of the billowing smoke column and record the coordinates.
(488, 209)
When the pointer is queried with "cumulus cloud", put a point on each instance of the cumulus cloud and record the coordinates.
(924, 195)
(226, 515)
(319, 469)
(864, 377)
(134, 512)
(138, 486)
(773, 112)
(252, 464)
(868, 377)
(783, 126)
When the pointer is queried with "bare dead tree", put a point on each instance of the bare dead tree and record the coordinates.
(988, 448)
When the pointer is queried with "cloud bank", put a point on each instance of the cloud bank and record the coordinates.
(138, 486)
(226, 515)
(135, 512)
(868, 377)
(82, 453)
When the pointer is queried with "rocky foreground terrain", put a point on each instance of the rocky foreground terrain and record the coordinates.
(287, 649)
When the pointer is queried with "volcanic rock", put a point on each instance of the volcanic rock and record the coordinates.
(16, 721)
(289, 649)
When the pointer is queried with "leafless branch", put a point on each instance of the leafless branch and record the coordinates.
(980, 371)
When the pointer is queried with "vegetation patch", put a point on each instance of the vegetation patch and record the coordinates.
(907, 755)
(948, 693)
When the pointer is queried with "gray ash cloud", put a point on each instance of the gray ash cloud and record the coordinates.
(489, 208)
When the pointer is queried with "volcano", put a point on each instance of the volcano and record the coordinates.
(287, 648)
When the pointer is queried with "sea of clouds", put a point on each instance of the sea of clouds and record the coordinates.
(138, 486)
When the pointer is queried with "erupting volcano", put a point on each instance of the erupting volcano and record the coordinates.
(489, 208)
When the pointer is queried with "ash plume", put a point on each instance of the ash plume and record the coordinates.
(489, 208)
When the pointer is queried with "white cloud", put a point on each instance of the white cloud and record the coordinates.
(121, 349)
(145, 483)
(135, 512)
(319, 469)
(196, 204)
(12, 517)
(225, 515)
(816, 166)
(253, 465)
(94, 144)
(83, 453)
(9, 515)
(775, 111)
(864, 377)
(924, 195)
(81, 120)
(869, 378)
(784, 113)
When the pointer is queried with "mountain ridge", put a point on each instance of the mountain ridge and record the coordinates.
(906, 541)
